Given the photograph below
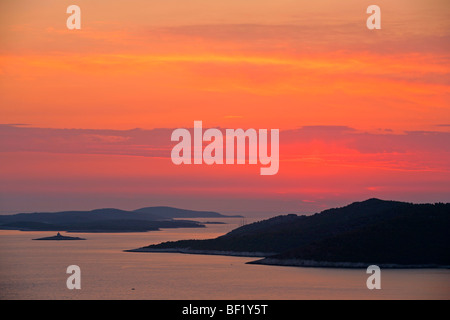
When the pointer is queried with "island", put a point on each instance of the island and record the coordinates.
(390, 234)
(108, 220)
(59, 237)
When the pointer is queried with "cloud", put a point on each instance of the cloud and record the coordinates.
(135, 142)
(332, 145)
(316, 163)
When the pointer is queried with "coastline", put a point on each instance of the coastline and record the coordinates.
(345, 265)
(289, 262)
(205, 252)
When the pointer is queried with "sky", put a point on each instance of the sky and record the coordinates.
(86, 115)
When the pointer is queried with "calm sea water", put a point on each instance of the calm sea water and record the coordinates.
(37, 270)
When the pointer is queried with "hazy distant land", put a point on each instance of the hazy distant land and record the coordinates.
(390, 234)
(107, 220)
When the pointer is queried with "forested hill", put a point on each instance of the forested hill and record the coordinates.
(374, 231)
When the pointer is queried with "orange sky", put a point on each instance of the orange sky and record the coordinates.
(252, 64)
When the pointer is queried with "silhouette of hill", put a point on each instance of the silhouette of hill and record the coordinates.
(181, 213)
(106, 220)
(372, 231)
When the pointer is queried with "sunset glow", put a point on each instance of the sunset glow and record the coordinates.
(362, 113)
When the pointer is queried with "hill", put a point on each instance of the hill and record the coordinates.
(181, 213)
(372, 231)
(106, 220)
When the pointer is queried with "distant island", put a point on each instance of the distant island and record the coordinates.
(108, 220)
(60, 237)
(391, 234)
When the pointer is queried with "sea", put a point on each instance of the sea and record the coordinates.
(32, 270)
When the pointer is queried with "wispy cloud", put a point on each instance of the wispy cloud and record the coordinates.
(332, 145)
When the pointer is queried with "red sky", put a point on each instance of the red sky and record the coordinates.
(362, 113)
